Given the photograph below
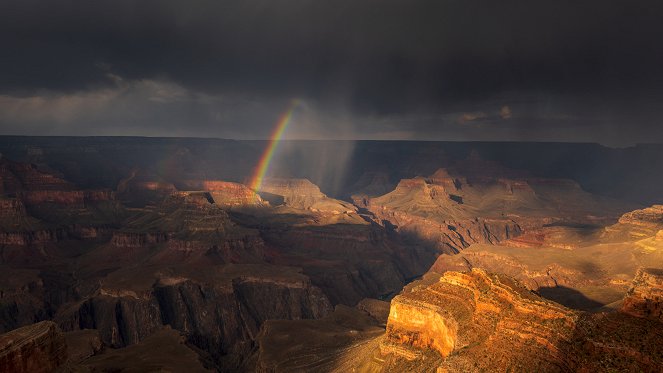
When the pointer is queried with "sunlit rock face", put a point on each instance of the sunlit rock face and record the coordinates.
(222, 267)
(37, 348)
(645, 298)
(435, 215)
(650, 216)
(465, 315)
(225, 193)
(303, 194)
(639, 224)
(297, 193)
(477, 201)
(465, 322)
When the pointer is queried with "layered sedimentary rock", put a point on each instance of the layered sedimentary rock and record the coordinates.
(38, 207)
(585, 267)
(645, 297)
(303, 194)
(34, 187)
(16, 177)
(481, 202)
(226, 193)
(637, 224)
(466, 322)
(463, 316)
(36, 348)
(220, 312)
(647, 217)
(430, 213)
(359, 260)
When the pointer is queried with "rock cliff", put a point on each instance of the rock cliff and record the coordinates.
(36, 348)
(220, 313)
(463, 316)
(645, 297)
(226, 193)
(303, 194)
(483, 203)
(465, 322)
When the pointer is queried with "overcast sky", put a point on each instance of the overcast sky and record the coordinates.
(562, 70)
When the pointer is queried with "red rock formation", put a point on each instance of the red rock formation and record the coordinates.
(647, 217)
(467, 322)
(221, 311)
(637, 225)
(303, 194)
(428, 212)
(34, 187)
(645, 298)
(483, 203)
(226, 193)
(297, 193)
(443, 178)
(476, 321)
(35, 348)
(468, 314)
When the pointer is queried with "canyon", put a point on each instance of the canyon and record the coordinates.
(154, 254)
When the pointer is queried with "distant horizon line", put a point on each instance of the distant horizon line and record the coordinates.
(335, 139)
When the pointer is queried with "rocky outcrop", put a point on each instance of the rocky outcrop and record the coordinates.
(463, 315)
(471, 321)
(226, 193)
(232, 194)
(36, 348)
(222, 318)
(638, 224)
(482, 203)
(433, 214)
(645, 297)
(647, 217)
(297, 193)
(449, 236)
(303, 194)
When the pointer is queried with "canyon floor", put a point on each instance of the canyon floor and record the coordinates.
(435, 262)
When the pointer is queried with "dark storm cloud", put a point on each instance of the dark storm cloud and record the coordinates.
(379, 60)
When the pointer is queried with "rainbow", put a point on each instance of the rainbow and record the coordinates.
(268, 154)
